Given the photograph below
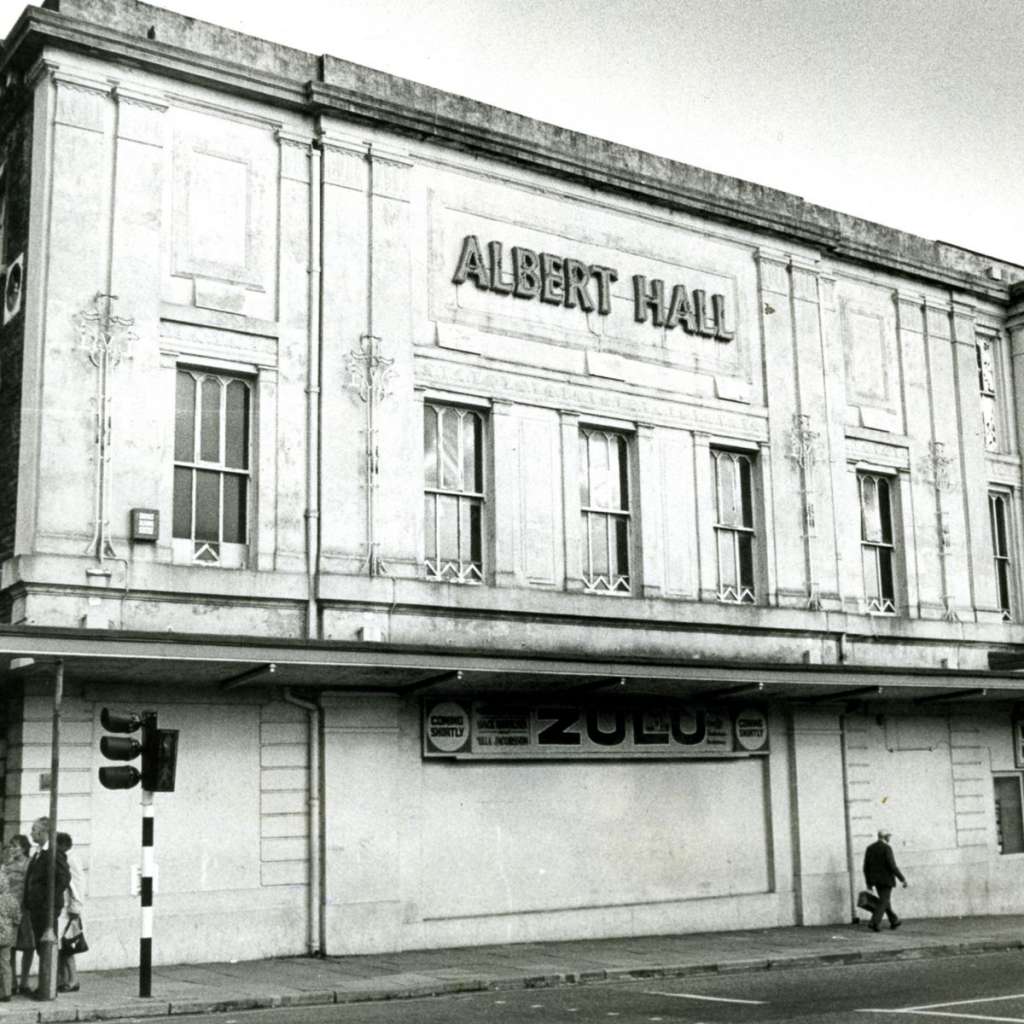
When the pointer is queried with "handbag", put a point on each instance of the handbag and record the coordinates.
(72, 941)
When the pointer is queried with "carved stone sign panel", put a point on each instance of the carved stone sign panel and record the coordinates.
(533, 267)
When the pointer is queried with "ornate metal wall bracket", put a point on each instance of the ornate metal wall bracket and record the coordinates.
(803, 451)
(937, 468)
(370, 376)
(370, 373)
(106, 339)
(804, 443)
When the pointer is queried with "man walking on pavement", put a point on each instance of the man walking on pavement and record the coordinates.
(880, 874)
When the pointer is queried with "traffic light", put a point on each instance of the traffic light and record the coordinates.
(120, 748)
(158, 748)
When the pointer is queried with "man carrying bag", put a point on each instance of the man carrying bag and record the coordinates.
(881, 874)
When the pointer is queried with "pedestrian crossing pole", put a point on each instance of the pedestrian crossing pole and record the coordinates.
(146, 893)
(159, 750)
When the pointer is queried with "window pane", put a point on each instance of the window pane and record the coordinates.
(448, 528)
(728, 512)
(207, 505)
(1003, 585)
(182, 502)
(185, 418)
(1009, 821)
(209, 422)
(475, 533)
(986, 367)
(871, 526)
(885, 576)
(600, 485)
(236, 440)
(999, 524)
(726, 560)
(870, 561)
(471, 475)
(451, 476)
(599, 565)
(429, 527)
(746, 501)
(622, 455)
(430, 446)
(620, 529)
(745, 543)
(234, 508)
(885, 510)
(584, 470)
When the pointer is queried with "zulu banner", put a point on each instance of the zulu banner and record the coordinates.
(512, 731)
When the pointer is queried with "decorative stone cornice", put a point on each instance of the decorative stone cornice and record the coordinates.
(133, 96)
(290, 138)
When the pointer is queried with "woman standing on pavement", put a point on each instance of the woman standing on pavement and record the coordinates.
(12, 890)
(67, 970)
(15, 864)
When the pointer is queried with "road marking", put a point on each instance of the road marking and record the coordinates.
(956, 1016)
(967, 1002)
(710, 999)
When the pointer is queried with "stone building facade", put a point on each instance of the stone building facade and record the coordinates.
(529, 537)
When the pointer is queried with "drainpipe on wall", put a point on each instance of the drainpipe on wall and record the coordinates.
(313, 395)
(317, 922)
(851, 864)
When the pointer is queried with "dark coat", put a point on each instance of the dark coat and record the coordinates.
(880, 869)
(35, 891)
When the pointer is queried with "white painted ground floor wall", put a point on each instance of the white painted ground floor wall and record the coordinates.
(424, 853)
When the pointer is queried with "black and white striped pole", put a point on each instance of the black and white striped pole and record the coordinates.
(146, 895)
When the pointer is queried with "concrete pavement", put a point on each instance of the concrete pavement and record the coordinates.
(293, 981)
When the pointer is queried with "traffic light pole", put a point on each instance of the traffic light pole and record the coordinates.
(48, 940)
(159, 751)
(146, 891)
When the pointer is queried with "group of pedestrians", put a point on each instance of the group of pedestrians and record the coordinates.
(24, 911)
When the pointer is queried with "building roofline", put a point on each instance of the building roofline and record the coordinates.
(192, 50)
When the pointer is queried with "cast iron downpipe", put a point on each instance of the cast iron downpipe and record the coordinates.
(317, 922)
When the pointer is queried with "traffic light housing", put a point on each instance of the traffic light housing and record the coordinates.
(157, 747)
(159, 759)
(120, 748)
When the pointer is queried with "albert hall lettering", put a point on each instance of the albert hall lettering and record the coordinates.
(564, 281)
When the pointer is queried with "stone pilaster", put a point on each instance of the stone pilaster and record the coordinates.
(505, 501)
(398, 437)
(704, 488)
(977, 538)
(925, 496)
(344, 246)
(81, 169)
(648, 518)
(778, 326)
(570, 425)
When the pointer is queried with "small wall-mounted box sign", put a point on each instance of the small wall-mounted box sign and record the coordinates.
(145, 524)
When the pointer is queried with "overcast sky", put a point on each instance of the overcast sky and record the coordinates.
(905, 112)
